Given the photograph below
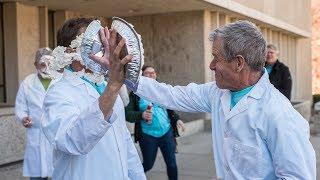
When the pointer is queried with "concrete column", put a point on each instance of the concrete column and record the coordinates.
(21, 40)
(303, 72)
(280, 43)
(207, 28)
(292, 64)
(44, 30)
(215, 20)
(215, 23)
(269, 35)
(275, 38)
(10, 32)
(284, 49)
(28, 38)
(264, 33)
(223, 19)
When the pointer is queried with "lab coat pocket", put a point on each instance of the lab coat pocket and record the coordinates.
(243, 159)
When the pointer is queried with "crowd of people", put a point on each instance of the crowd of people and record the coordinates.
(76, 124)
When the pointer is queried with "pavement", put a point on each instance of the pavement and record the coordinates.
(195, 159)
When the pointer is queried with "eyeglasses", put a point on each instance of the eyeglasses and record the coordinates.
(149, 73)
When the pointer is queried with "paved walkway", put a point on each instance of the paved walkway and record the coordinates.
(195, 159)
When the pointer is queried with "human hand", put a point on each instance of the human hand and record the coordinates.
(147, 115)
(104, 60)
(180, 125)
(26, 122)
(115, 65)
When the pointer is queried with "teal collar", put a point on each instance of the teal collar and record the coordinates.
(98, 87)
(237, 95)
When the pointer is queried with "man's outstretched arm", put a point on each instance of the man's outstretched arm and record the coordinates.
(190, 98)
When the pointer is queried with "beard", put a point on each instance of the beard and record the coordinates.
(42, 73)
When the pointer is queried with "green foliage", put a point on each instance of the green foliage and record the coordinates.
(316, 98)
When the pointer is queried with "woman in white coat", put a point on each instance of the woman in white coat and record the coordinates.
(37, 162)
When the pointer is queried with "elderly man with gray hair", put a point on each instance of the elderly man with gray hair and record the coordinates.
(37, 163)
(256, 132)
(279, 73)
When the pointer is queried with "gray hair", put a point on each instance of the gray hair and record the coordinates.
(245, 39)
(41, 52)
(273, 47)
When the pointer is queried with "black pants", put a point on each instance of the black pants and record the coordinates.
(149, 148)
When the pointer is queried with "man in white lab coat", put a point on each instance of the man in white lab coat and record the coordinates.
(37, 162)
(256, 132)
(85, 122)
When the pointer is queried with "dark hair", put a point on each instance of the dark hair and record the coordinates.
(144, 67)
(70, 29)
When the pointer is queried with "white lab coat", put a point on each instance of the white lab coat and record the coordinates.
(38, 152)
(261, 137)
(86, 145)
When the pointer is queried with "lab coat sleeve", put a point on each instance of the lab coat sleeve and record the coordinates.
(288, 142)
(124, 95)
(21, 105)
(135, 169)
(71, 130)
(190, 98)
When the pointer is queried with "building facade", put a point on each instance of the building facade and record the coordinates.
(315, 13)
(175, 38)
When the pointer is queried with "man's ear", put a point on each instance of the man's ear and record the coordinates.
(240, 62)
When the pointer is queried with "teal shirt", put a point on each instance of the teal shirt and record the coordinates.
(237, 95)
(269, 69)
(160, 123)
(99, 87)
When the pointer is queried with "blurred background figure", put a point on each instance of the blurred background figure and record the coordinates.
(37, 162)
(155, 127)
(279, 73)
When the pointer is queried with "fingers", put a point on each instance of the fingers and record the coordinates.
(95, 58)
(119, 47)
(113, 37)
(27, 123)
(104, 61)
(180, 125)
(126, 59)
(147, 115)
(104, 37)
(107, 32)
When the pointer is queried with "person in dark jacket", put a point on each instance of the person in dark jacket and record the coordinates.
(279, 73)
(155, 127)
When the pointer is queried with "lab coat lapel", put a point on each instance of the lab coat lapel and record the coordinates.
(54, 80)
(241, 106)
(77, 81)
(37, 84)
(92, 91)
(225, 100)
(256, 93)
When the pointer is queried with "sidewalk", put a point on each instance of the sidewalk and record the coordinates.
(194, 159)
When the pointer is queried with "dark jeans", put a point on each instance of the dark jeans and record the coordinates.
(149, 148)
(38, 178)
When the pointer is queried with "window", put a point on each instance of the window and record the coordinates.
(51, 28)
